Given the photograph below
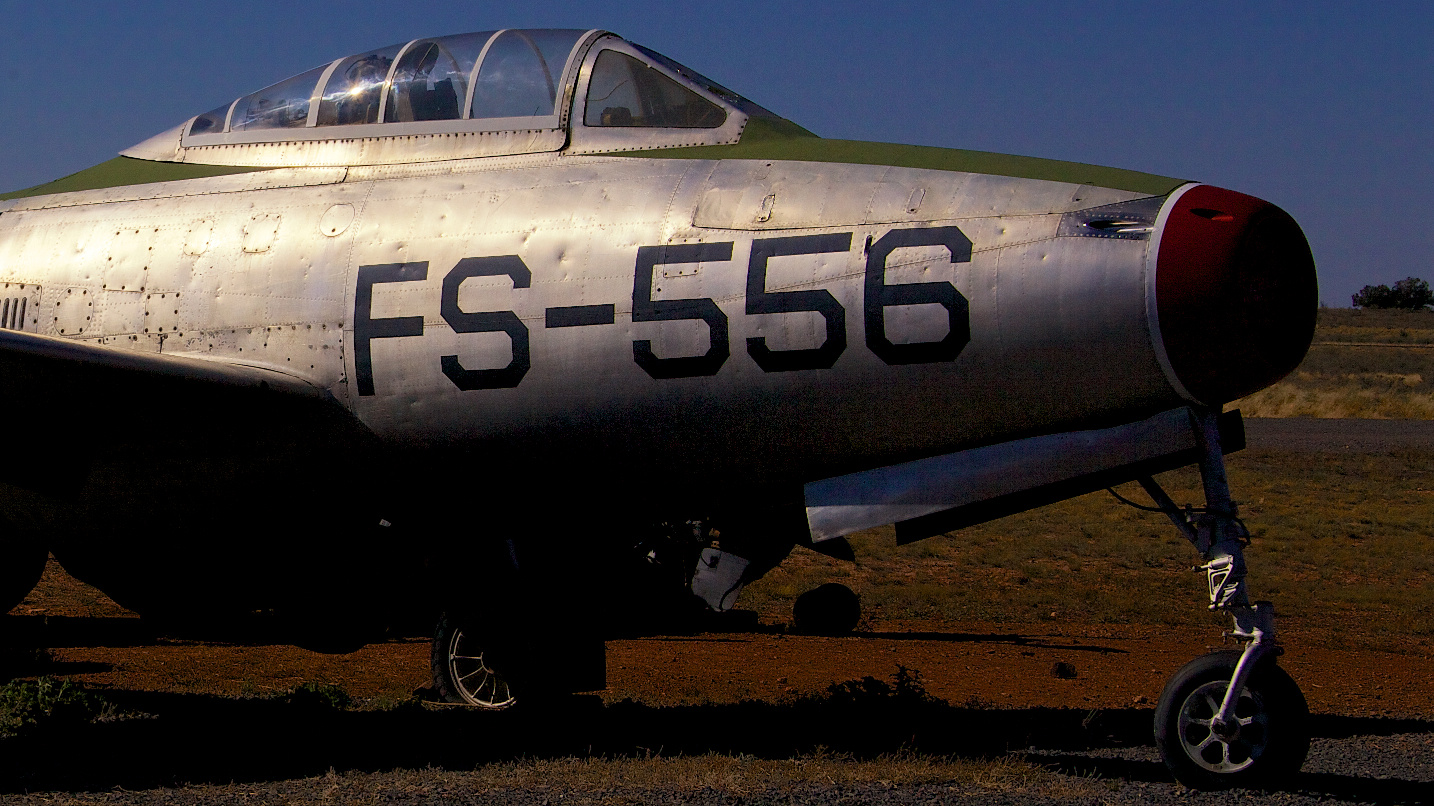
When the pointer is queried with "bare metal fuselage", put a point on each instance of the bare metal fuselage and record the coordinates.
(567, 398)
(219, 268)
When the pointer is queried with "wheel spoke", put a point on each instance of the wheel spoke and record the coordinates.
(472, 679)
(1203, 743)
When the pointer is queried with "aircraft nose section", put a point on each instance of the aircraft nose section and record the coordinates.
(1234, 293)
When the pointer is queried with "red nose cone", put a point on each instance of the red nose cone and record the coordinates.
(1235, 293)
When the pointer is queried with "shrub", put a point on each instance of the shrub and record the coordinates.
(321, 696)
(1411, 293)
(906, 687)
(30, 706)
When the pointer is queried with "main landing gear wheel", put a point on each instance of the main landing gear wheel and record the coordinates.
(1267, 739)
(461, 674)
(830, 609)
(21, 564)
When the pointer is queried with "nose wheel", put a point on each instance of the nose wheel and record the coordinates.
(1264, 739)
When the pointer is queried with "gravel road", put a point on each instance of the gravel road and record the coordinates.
(1381, 769)
(209, 750)
(1344, 436)
(1396, 768)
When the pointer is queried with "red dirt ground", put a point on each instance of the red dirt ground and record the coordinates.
(993, 665)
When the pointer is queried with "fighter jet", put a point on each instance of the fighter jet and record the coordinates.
(543, 337)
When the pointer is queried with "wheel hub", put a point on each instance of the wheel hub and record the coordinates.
(1225, 731)
(1222, 747)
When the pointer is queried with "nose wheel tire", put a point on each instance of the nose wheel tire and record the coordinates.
(462, 672)
(1265, 741)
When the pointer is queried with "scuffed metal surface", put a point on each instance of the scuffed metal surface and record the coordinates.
(236, 183)
(825, 194)
(252, 277)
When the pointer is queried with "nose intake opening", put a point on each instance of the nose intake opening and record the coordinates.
(1235, 292)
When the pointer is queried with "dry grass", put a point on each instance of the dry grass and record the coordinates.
(1369, 364)
(1335, 320)
(1343, 544)
(739, 775)
(616, 781)
(1378, 396)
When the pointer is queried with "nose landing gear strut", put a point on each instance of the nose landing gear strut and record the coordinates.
(1228, 719)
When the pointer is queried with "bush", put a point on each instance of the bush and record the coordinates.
(320, 696)
(906, 687)
(30, 706)
(1411, 293)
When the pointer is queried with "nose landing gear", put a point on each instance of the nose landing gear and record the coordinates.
(1262, 740)
(1228, 719)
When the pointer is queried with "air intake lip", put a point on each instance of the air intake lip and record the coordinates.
(1234, 293)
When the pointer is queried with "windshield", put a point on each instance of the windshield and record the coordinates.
(743, 104)
(626, 92)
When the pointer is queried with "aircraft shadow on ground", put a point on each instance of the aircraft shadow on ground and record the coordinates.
(1015, 639)
(55, 632)
(176, 739)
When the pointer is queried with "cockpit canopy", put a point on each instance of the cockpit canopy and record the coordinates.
(478, 94)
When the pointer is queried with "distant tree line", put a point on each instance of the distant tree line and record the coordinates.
(1410, 293)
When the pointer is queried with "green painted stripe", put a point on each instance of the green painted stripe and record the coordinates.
(763, 139)
(124, 171)
(770, 140)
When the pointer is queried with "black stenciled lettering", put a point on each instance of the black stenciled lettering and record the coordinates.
(486, 322)
(580, 316)
(646, 309)
(879, 296)
(366, 328)
(760, 300)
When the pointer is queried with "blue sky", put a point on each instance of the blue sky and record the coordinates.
(1326, 109)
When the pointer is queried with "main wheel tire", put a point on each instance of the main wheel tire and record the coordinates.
(22, 562)
(830, 609)
(461, 675)
(1269, 743)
